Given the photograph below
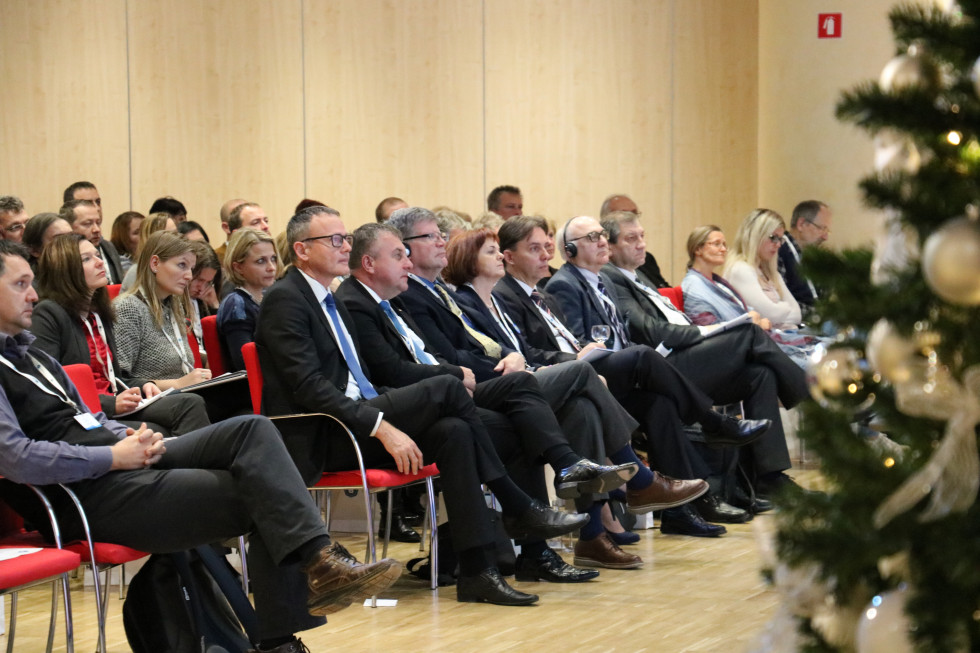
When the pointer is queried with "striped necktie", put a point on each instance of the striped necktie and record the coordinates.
(553, 321)
(490, 346)
(613, 315)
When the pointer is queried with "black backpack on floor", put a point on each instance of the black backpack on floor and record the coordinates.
(188, 602)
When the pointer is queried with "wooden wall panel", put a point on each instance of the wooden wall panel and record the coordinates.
(804, 151)
(394, 101)
(63, 66)
(715, 119)
(217, 92)
(578, 105)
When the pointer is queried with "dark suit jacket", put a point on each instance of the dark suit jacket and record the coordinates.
(483, 320)
(302, 363)
(790, 269)
(647, 324)
(384, 352)
(444, 332)
(581, 307)
(522, 310)
(651, 269)
(62, 336)
(112, 261)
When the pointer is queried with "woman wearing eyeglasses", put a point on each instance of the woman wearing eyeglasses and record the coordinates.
(252, 265)
(752, 269)
(74, 324)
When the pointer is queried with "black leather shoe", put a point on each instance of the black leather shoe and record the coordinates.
(683, 520)
(490, 587)
(740, 499)
(587, 477)
(713, 509)
(539, 522)
(736, 432)
(772, 484)
(551, 568)
(400, 531)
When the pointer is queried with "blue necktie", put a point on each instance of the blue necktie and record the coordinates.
(367, 390)
(421, 355)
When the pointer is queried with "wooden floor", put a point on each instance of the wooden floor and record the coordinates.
(692, 594)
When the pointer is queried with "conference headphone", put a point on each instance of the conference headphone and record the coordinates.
(571, 249)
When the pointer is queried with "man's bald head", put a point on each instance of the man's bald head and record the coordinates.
(618, 203)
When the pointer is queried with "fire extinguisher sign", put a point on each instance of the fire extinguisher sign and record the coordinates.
(828, 26)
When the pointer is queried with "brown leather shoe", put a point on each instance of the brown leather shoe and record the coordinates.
(603, 552)
(336, 579)
(664, 492)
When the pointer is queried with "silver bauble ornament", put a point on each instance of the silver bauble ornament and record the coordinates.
(889, 353)
(909, 71)
(840, 378)
(884, 625)
(895, 152)
(951, 262)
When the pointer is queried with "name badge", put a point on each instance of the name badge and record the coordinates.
(88, 421)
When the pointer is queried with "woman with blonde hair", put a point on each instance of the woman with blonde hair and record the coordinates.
(752, 270)
(152, 316)
(73, 323)
(251, 265)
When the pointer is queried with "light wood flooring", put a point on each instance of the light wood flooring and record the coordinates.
(692, 594)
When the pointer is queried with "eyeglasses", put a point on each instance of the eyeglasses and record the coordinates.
(433, 237)
(774, 239)
(822, 228)
(12, 229)
(337, 240)
(717, 243)
(592, 236)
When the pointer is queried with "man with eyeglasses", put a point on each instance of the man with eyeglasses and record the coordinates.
(309, 350)
(599, 285)
(809, 227)
(13, 217)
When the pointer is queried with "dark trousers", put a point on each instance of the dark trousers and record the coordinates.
(440, 417)
(215, 483)
(744, 364)
(662, 400)
(175, 414)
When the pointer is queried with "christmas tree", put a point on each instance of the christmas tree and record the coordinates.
(887, 556)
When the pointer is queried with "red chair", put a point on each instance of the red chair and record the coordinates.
(212, 345)
(49, 565)
(675, 295)
(114, 289)
(195, 349)
(370, 481)
(105, 555)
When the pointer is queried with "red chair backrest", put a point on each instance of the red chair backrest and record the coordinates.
(195, 349)
(212, 345)
(81, 375)
(114, 289)
(251, 356)
(675, 295)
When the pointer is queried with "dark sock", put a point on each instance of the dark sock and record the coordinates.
(269, 644)
(560, 456)
(594, 528)
(643, 478)
(711, 421)
(312, 548)
(533, 550)
(474, 561)
(513, 500)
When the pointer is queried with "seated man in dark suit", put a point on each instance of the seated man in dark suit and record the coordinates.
(742, 364)
(308, 350)
(203, 487)
(656, 394)
(512, 406)
(809, 227)
(452, 335)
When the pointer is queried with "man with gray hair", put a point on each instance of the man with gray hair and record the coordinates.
(13, 218)
(650, 267)
(809, 227)
(309, 351)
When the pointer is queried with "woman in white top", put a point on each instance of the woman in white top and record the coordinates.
(751, 269)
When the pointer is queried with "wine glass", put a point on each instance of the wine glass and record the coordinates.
(601, 333)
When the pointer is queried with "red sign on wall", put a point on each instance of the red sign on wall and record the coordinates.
(828, 26)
